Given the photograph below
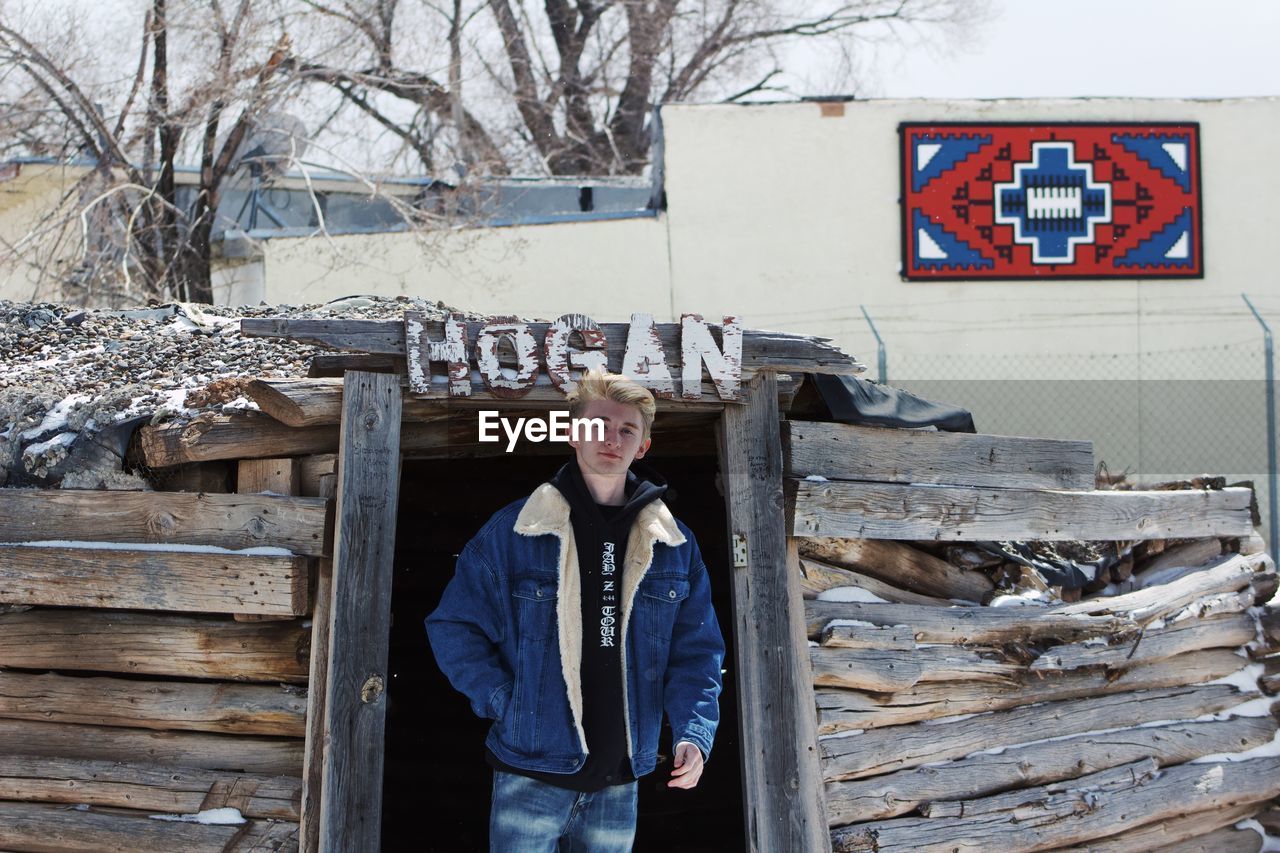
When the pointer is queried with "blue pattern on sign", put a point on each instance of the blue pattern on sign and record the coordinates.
(1053, 203)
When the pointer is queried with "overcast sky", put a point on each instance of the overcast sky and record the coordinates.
(1152, 48)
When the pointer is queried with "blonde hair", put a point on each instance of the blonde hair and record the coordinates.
(598, 384)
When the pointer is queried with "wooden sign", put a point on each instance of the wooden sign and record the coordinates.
(509, 358)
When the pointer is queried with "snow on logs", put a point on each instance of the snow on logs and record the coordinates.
(1126, 721)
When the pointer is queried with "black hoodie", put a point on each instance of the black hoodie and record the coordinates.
(600, 534)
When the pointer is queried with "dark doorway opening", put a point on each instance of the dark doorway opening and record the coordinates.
(436, 782)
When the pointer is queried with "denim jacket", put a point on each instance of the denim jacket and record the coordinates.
(508, 635)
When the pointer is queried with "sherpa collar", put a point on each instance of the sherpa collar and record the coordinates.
(547, 511)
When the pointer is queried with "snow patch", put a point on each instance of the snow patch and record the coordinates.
(850, 593)
(208, 817)
(56, 418)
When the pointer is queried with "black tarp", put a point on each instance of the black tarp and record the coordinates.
(858, 401)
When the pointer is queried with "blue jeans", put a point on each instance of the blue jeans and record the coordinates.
(528, 816)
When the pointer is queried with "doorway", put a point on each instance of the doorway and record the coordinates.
(436, 782)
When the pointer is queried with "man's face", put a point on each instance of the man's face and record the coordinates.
(623, 427)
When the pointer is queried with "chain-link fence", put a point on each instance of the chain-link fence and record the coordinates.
(1144, 420)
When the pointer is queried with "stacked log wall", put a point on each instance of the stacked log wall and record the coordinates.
(1137, 716)
(154, 654)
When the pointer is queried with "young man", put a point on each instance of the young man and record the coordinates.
(574, 619)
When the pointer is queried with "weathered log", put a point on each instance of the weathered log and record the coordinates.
(967, 625)
(882, 637)
(1039, 763)
(245, 435)
(851, 709)
(317, 690)
(149, 787)
(232, 708)
(817, 577)
(190, 581)
(848, 452)
(1253, 543)
(1190, 554)
(360, 612)
(782, 784)
(900, 565)
(262, 755)
(1199, 832)
(762, 349)
(894, 748)
(40, 827)
(1046, 820)
(960, 513)
(180, 518)
(155, 644)
(1098, 784)
(888, 670)
(1232, 630)
(1145, 605)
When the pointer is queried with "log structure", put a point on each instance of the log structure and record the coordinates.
(221, 643)
(1123, 715)
(137, 676)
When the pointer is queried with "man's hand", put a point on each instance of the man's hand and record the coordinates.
(688, 766)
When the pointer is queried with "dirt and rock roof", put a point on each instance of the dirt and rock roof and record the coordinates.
(75, 383)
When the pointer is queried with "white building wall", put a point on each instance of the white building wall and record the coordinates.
(606, 269)
(790, 215)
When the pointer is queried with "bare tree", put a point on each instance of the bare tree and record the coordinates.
(479, 87)
(568, 87)
(137, 235)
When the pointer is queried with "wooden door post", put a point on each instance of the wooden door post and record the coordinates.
(360, 613)
(781, 774)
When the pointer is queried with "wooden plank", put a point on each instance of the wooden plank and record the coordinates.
(889, 750)
(849, 452)
(956, 513)
(364, 545)
(852, 709)
(1232, 630)
(817, 577)
(188, 706)
(153, 580)
(244, 435)
(868, 637)
(762, 350)
(148, 787)
(1016, 767)
(1052, 819)
(276, 476)
(901, 565)
(1232, 575)
(318, 688)
(178, 518)
(272, 756)
(38, 828)
(155, 644)
(781, 778)
(887, 670)
(318, 402)
(967, 625)
(1208, 831)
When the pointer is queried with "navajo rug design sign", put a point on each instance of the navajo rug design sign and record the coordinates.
(1000, 201)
